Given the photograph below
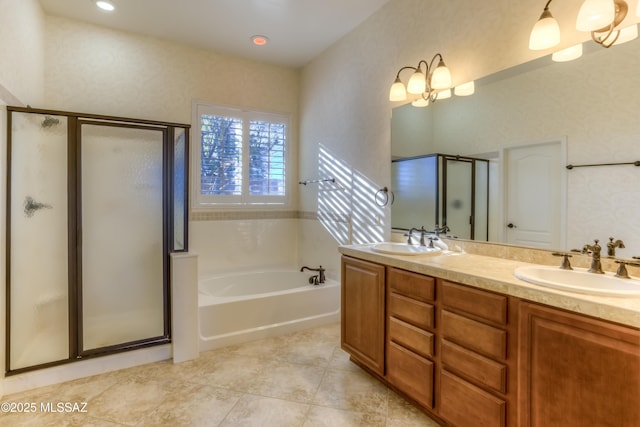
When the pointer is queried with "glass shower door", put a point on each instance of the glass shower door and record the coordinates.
(122, 252)
(459, 189)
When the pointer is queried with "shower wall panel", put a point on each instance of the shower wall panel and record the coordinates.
(38, 252)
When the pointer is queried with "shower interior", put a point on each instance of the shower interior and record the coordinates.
(95, 206)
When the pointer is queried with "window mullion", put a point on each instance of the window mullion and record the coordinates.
(246, 155)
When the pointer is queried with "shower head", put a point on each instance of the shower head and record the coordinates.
(50, 121)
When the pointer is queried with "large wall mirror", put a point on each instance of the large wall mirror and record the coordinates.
(587, 109)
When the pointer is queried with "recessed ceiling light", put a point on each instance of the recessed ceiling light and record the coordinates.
(259, 40)
(105, 5)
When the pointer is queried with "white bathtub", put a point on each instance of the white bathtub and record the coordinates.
(240, 307)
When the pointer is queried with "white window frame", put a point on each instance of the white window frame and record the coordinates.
(245, 200)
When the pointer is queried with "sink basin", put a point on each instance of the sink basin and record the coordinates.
(579, 280)
(403, 249)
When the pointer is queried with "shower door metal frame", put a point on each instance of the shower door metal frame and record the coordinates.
(74, 123)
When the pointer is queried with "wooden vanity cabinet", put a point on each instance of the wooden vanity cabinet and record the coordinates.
(471, 357)
(363, 312)
(477, 353)
(410, 344)
(577, 371)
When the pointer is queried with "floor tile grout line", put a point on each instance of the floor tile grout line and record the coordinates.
(313, 398)
(162, 375)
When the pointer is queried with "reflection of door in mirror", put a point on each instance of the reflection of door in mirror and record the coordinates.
(535, 195)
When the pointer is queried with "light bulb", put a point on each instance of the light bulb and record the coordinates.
(627, 34)
(595, 15)
(417, 82)
(397, 91)
(420, 102)
(568, 54)
(444, 94)
(545, 33)
(465, 89)
(441, 77)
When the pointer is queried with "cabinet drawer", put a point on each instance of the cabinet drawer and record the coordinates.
(474, 335)
(473, 366)
(415, 312)
(487, 305)
(464, 404)
(410, 337)
(410, 373)
(412, 285)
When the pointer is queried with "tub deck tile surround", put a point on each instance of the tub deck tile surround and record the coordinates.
(299, 379)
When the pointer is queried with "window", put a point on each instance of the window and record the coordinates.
(241, 158)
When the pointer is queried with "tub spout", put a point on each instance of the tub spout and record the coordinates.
(320, 270)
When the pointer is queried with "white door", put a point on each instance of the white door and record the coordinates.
(535, 195)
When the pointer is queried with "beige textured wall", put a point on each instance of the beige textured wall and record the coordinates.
(97, 70)
(344, 93)
(21, 52)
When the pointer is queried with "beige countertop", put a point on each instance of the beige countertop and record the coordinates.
(496, 274)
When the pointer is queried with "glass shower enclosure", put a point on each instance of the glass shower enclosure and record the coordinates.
(435, 190)
(95, 206)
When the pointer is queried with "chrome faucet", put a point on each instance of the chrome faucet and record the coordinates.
(422, 234)
(318, 279)
(612, 245)
(596, 266)
(444, 229)
(409, 241)
(422, 231)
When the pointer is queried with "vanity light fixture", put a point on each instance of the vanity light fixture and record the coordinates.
(545, 32)
(106, 5)
(600, 17)
(425, 84)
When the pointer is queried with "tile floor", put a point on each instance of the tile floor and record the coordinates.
(300, 379)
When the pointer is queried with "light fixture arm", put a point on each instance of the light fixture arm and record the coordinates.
(602, 35)
(408, 67)
(437, 55)
(604, 41)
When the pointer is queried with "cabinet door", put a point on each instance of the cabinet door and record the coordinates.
(577, 371)
(363, 312)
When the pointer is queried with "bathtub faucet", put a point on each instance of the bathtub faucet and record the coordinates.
(315, 279)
